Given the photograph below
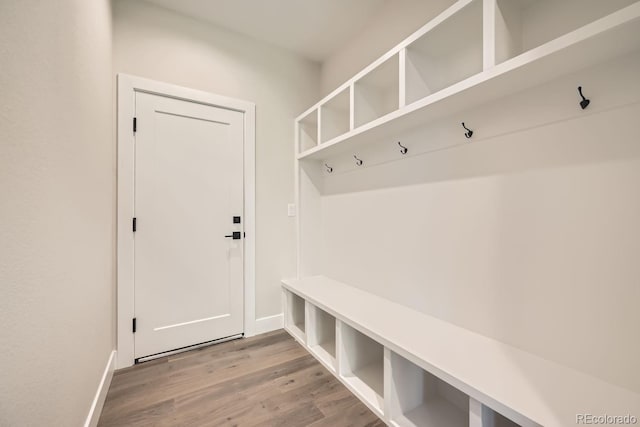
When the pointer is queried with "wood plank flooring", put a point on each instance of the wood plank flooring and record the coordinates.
(268, 380)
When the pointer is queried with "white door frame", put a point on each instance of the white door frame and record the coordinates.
(127, 87)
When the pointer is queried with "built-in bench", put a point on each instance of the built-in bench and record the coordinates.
(412, 369)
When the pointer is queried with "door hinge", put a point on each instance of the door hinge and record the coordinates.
(135, 224)
(135, 124)
(133, 325)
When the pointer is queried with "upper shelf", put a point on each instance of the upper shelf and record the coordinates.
(524, 57)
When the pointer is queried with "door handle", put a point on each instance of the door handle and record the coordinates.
(236, 235)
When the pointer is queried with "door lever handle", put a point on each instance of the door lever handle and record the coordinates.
(236, 235)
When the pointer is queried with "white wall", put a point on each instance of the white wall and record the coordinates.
(395, 20)
(57, 180)
(529, 233)
(154, 43)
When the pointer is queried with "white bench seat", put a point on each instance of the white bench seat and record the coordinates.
(527, 389)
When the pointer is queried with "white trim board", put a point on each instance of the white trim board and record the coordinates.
(127, 86)
(101, 394)
(269, 323)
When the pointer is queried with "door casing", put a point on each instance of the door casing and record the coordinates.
(127, 87)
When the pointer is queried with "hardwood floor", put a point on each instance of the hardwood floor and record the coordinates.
(268, 380)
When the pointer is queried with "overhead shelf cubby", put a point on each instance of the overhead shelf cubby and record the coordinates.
(308, 131)
(334, 116)
(445, 55)
(522, 25)
(376, 94)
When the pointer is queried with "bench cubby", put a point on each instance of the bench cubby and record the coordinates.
(294, 320)
(418, 398)
(362, 365)
(321, 335)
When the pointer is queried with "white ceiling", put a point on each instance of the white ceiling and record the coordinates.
(312, 28)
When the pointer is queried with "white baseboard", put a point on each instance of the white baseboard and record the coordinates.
(269, 323)
(101, 393)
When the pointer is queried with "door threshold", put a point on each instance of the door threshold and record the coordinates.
(187, 348)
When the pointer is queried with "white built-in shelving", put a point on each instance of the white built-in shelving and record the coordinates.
(494, 419)
(412, 369)
(522, 25)
(446, 55)
(322, 336)
(334, 116)
(376, 94)
(416, 370)
(295, 316)
(474, 52)
(362, 366)
(308, 131)
(419, 398)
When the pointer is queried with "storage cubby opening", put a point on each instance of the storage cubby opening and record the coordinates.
(377, 93)
(449, 53)
(334, 116)
(323, 339)
(522, 25)
(308, 131)
(362, 365)
(297, 312)
(418, 398)
(491, 418)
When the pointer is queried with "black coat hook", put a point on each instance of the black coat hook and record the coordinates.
(403, 149)
(585, 102)
(469, 132)
(329, 168)
(358, 161)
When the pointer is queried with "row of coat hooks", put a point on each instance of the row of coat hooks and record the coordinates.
(403, 150)
(584, 103)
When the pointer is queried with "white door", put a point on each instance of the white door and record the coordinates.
(188, 189)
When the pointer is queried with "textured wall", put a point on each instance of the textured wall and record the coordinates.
(57, 180)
